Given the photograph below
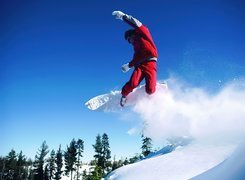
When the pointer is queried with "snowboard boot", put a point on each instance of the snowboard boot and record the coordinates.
(123, 101)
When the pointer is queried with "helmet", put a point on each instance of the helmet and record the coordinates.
(129, 33)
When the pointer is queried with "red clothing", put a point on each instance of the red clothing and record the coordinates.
(144, 46)
(146, 70)
(144, 59)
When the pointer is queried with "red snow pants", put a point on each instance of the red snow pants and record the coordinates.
(147, 71)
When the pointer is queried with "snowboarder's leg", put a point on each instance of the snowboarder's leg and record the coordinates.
(150, 73)
(136, 78)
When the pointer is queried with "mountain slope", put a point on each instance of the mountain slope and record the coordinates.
(183, 163)
(230, 169)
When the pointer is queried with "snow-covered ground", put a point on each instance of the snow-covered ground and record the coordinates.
(185, 162)
(231, 169)
(84, 167)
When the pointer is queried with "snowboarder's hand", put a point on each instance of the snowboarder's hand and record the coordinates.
(118, 14)
(125, 68)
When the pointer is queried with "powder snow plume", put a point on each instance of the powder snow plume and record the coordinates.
(185, 111)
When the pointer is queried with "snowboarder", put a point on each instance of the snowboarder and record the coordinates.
(144, 59)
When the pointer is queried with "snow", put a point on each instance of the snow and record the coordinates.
(84, 167)
(183, 163)
(110, 102)
(194, 112)
(230, 169)
(215, 122)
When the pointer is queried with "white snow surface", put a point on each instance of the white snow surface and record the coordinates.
(183, 163)
(230, 169)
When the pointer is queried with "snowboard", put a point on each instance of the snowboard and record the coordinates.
(110, 102)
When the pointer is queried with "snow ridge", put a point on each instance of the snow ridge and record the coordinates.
(182, 163)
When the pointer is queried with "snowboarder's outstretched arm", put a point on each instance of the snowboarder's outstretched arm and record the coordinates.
(135, 23)
(144, 39)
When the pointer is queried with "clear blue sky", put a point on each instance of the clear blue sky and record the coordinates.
(55, 55)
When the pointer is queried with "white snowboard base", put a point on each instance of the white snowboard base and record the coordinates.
(111, 101)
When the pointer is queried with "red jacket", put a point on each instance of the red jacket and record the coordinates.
(144, 46)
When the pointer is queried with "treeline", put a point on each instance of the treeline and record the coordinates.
(68, 162)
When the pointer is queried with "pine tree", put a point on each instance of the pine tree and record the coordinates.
(39, 161)
(106, 153)
(97, 173)
(103, 153)
(46, 173)
(14, 166)
(31, 175)
(21, 169)
(116, 164)
(85, 176)
(147, 145)
(11, 162)
(2, 167)
(51, 165)
(70, 158)
(80, 148)
(98, 150)
(59, 164)
(29, 165)
(126, 162)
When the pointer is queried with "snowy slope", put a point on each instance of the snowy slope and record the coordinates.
(231, 169)
(183, 163)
